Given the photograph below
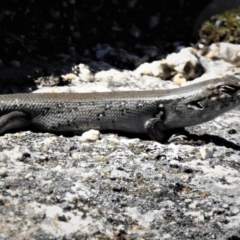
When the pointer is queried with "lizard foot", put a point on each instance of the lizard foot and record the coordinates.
(154, 127)
(177, 138)
(181, 138)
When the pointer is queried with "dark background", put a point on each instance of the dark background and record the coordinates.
(45, 28)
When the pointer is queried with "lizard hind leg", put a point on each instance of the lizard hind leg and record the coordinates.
(13, 120)
(154, 128)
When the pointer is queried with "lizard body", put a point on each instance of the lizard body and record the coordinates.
(150, 112)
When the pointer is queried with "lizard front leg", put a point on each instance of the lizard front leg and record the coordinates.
(154, 128)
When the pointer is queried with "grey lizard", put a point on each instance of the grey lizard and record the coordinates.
(151, 112)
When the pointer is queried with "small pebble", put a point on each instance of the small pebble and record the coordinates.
(90, 136)
(179, 79)
(206, 152)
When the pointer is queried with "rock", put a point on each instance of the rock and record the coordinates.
(161, 69)
(134, 179)
(156, 69)
(185, 62)
(47, 81)
(64, 89)
(213, 51)
(206, 152)
(84, 72)
(90, 136)
(179, 79)
(144, 69)
(227, 51)
(68, 78)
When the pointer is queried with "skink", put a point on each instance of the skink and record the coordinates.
(151, 112)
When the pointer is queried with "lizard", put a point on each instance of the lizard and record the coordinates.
(151, 112)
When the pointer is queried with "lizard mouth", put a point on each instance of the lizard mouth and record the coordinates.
(217, 93)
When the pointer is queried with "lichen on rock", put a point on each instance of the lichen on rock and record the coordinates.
(221, 28)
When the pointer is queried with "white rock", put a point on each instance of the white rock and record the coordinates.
(213, 51)
(112, 75)
(70, 77)
(184, 62)
(84, 73)
(230, 52)
(160, 69)
(100, 87)
(206, 152)
(227, 51)
(179, 79)
(144, 69)
(90, 136)
(64, 89)
(95, 87)
(156, 69)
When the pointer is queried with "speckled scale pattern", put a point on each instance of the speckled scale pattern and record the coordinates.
(80, 112)
(121, 111)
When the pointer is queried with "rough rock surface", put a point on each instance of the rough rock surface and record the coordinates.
(114, 186)
(55, 187)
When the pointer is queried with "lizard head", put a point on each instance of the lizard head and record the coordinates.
(219, 96)
(204, 101)
(222, 93)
